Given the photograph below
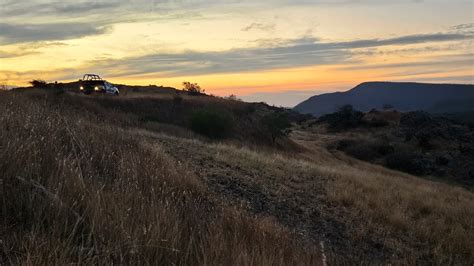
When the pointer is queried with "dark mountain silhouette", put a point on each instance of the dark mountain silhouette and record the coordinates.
(434, 98)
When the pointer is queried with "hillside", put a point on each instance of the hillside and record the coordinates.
(131, 180)
(418, 142)
(435, 98)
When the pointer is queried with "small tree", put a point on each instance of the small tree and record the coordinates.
(277, 124)
(38, 83)
(345, 118)
(233, 97)
(193, 88)
(3, 86)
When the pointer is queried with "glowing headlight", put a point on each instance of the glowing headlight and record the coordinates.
(96, 88)
(81, 88)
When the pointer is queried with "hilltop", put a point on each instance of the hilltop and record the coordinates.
(434, 98)
(160, 176)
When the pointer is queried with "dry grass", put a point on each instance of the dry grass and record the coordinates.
(77, 190)
(436, 219)
(410, 220)
(421, 220)
(81, 187)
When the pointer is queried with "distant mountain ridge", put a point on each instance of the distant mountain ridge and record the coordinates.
(403, 96)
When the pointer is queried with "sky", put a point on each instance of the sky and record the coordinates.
(277, 51)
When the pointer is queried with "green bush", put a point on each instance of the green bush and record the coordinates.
(211, 123)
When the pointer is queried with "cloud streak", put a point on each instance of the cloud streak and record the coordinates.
(20, 33)
(62, 8)
(259, 26)
(295, 53)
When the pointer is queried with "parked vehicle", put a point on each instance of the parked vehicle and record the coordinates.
(92, 83)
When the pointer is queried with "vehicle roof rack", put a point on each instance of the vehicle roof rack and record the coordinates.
(91, 77)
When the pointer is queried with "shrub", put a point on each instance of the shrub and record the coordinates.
(424, 140)
(233, 97)
(344, 144)
(193, 88)
(378, 122)
(410, 162)
(364, 150)
(212, 123)
(38, 83)
(345, 118)
(3, 86)
(277, 125)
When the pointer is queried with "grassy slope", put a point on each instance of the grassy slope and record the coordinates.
(416, 218)
(171, 191)
(79, 189)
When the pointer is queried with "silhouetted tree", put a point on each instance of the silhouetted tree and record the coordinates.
(345, 118)
(277, 124)
(233, 98)
(38, 83)
(193, 88)
(3, 86)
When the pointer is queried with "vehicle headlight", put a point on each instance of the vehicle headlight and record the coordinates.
(81, 88)
(96, 88)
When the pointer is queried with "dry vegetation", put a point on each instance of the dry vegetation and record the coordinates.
(77, 189)
(436, 220)
(380, 214)
(419, 219)
(80, 186)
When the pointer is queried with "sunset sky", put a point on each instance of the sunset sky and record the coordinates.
(278, 51)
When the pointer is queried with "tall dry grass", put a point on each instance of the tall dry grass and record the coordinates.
(79, 190)
(435, 219)
(409, 220)
(418, 219)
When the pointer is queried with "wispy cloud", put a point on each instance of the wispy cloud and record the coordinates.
(463, 27)
(259, 26)
(453, 61)
(4, 54)
(20, 33)
(56, 8)
(296, 53)
(293, 53)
